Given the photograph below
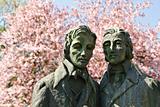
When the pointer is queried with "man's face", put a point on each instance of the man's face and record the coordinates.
(114, 48)
(81, 49)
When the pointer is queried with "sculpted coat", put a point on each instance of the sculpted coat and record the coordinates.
(55, 90)
(137, 90)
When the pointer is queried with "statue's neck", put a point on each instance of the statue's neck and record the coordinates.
(117, 73)
(117, 69)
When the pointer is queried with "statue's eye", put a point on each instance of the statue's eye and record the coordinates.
(119, 43)
(106, 44)
(77, 46)
(90, 47)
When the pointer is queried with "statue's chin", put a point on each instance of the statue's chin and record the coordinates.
(81, 65)
(116, 62)
(113, 62)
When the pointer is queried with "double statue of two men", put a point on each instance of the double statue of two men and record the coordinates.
(123, 84)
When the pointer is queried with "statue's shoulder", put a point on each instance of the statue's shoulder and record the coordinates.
(152, 83)
(46, 82)
(49, 79)
(53, 78)
(149, 81)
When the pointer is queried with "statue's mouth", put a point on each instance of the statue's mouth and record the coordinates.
(83, 60)
(112, 56)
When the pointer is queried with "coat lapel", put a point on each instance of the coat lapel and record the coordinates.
(67, 90)
(122, 89)
(60, 73)
(63, 70)
(129, 82)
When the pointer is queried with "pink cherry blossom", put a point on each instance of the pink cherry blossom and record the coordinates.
(34, 40)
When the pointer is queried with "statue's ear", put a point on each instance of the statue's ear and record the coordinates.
(67, 44)
(129, 54)
(105, 56)
(106, 59)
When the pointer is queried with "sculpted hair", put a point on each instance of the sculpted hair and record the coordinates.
(128, 42)
(73, 34)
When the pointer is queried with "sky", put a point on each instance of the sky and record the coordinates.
(152, 14)
(151, 18)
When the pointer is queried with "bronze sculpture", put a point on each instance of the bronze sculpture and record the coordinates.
(123, 84)
(70, 85)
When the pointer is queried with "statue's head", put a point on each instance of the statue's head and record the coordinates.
(79, 45)
(117, 46)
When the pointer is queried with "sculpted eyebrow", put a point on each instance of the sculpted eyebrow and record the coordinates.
(76, 43)
(118, 40)
(106, 42)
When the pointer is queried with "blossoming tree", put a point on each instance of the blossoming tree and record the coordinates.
(31, 48)
(32, 45)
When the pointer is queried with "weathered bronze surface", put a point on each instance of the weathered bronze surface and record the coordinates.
(70, 85)
(123, 84)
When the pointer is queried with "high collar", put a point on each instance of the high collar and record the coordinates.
(125, 65)
(129, 69)
(71, 68)
(67, 68)
(132, 76)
